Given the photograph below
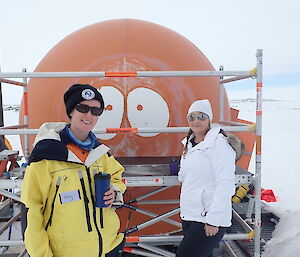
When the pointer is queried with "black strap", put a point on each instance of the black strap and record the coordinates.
(86, 205)
(52, 207)
(101, 218)
(223, 132)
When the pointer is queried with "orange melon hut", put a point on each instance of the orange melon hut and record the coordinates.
(139, 102)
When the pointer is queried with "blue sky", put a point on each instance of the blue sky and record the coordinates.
(227, 32)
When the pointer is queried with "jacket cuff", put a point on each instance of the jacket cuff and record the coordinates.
(119, 196)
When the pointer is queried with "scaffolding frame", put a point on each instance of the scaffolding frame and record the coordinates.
(238, 75)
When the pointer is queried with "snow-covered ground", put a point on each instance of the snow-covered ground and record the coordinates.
(281, 122)
(280, 158)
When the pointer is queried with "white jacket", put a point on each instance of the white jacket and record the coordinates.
(208, 181)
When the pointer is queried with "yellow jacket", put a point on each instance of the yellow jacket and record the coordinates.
(58, 191)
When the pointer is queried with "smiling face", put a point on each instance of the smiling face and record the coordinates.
(83, 123)
(199, 126)
(130, 102)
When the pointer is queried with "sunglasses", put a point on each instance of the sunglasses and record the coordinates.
(83, 108)
(200, 116)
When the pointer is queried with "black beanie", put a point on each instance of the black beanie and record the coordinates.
(80, 92)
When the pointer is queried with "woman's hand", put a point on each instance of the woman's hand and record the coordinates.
(109, 197)
(210, 230)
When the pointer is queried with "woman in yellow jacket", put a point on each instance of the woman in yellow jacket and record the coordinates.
(59, 188)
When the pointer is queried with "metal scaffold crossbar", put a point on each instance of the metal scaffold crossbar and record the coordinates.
(162, 182)
(130, 130)
(124, 74)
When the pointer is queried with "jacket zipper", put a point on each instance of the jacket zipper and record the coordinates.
(86, 201)
(94, 211)
(52, 205)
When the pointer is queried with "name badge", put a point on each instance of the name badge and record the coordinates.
(71, 196)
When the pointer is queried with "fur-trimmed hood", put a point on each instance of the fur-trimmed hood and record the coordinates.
(236, 144)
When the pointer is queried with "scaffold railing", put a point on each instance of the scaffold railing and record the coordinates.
(130, 130)
(236, 75)
(87, 74)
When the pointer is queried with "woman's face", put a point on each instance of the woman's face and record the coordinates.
(84, 122)
(196, 123)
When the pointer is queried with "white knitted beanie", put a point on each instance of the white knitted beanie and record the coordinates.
(202, 106)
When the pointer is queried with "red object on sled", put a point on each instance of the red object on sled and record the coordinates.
(268, 195)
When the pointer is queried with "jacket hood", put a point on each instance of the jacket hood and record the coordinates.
(51, 144)
(49, 130)
(236, 144)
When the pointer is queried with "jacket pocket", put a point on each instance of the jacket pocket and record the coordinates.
(207, 196)
(203, 204)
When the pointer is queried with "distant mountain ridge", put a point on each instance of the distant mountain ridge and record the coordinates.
(11, 107)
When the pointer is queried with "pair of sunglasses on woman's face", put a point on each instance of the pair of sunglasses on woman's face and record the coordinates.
(194, 116)
(83, 108)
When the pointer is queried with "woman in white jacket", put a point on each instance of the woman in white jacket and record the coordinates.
(208, 183)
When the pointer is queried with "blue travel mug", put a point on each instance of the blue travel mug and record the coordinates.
(102, 183)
